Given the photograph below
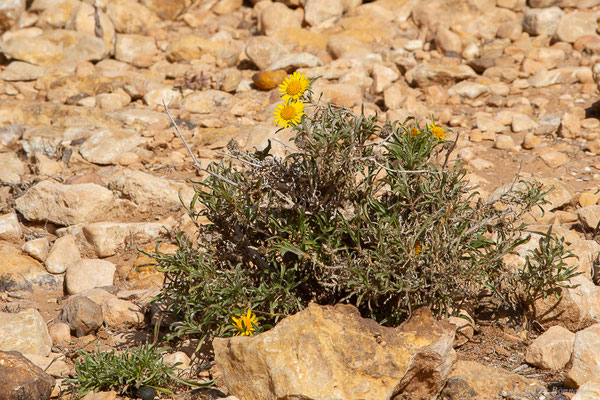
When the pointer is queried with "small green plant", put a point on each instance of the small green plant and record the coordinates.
(378, 216)
(126, 371)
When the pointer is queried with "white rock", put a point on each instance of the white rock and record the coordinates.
(105, 146)
(488, 124)
(383, 77)
(177, 357)
(468, 89)
(10, 229)
(10, 12)
(89, 274)
(504, 142)
(542, 21)
(552, 349)
(207, 101)
(264, 51)
(277, 16)
(522, 122)
(576, 24)
(136, 50)
(158, 97)
(37, 248)
(25, 332)
(63, 254)
(294, 61)
(588, 391)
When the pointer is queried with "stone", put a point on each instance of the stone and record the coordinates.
(552, 349)
(510, 29)
(391, 362)
(121, 313)
(207, 101)
(588, 391)
(468, 89)
(22, 71)
(226, 6)
(60, 333)
(264, 51)
(10, 229)
(65, 204)
(542, 21)
(588, 198)
(82, 315)
(25, 332)
(137, 50)
(166, 9)
(10, 12)
(112, 101)
(574, 25)
(267, 80)
(344, 94)
(293, 61)
(63, 254)
(347, 47)
(586, 364)
(447, 41)
(146, 190)
(19, 272)
(112, 395)
(570, 126)
(531, 141)
(55, 47)
(317, 11)
(129, 16)
(57, 16)
(383, 77)
(37, 248)
(191, 47)
(178, 359)
(105, 146)
(83, 20)
(89, 274)
(522, 122)
(504, 142)
(158, 97)
(549, 57)
(488, 124)
(107, 238)
(470, 380)
(430, 74)
(544, 78)
(12, 168)
(590, 215)
(275, 17)
(47, 166)
(21, 379)
(554, 159)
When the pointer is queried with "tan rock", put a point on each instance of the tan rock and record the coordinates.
(119, 313)
(391, 362)
(10, 229)
(25, 332)
(60, 333)
(428, 74)
(590, 215)
(531, 141)
(345, 94)
(63, 254)
(586, 364)
(522, 122)
(10, 11)
(129, 16)
(505, 142)
(588, 391)
(105, 146)
(585, 252)
(317, 11)
(57, 16)
(446, 40)
(555, 159)
(552, 349)
(574, 25)
(138, 50)
(37, 248)
(88, 274)
(275, 17)
(47, 166)
(542, 21)
(83, 20)
(21, 272)
(570, 126)
(589, 198)
(383, 77)
(168, 9)
(264, 51)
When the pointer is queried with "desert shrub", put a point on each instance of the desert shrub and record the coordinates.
(374, 215)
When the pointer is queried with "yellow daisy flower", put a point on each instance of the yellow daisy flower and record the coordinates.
(437, 131)
(289, 113)
(414, 132)
(294, 86)
(245, 324)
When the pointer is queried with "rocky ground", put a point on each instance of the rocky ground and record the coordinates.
(90, 168)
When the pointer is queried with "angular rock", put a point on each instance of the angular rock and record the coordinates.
(552, 349)
(275, 17)
(10, 229)
(22, 71)
(10, 11)
(291, 62)
(590, 216)
(522, 122)
(588, 391)
(586, 359)
(542, 21)
(447, 41)
(119, 313)
(37, 248)
(12, 168)
(105, 146)
(207, 101)
(165, 9)
(65, 204)
(83, 20)
(83, 315)
(63, 254)
(25, 332)
(555, 159)
(390, 363)
(317, 11)
(88, 274)
(468, 89)
(129, 16)
(574, 25)
(488, 124)
(191, 47)
(21, 379)
(60, 333)
(431, 74)
(137, 50)
(383, 77)
(55, 47)
(20, 272)
(264, 51)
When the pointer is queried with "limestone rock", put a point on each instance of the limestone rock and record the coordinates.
(83, 20)
(83, 315)
(119, 313)
(317, 11)
(470, 380)
(88, 274)
(20, 272)
(22, 71)
(12, 168)
(264, 51)
(590, 216)
(552, 349)
(207, 101)
(586, 362)
(293, 61)
(21, 379)
(10, 11)
(60, 333)
(129, 16)
(554, 159)
(542, 21)
(588, 391)
(137, 50)
(447, 41)
(25, 332)
(10, 229)
(55, 47)
(275, 17)
(522, 122)
(165, 9)
(191, 47)
(37, 248)
(431, 74)
(383, 77)
(391, 361)
(65, 204)
(63, 254)
(105, 146)
(576, 24)
(468, 89)
(226, 6)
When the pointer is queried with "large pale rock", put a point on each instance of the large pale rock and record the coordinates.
(542, 21)
(438, 74)
(317, 11)
(264, 51)
(191, 47)
(576, 24)
(145, 189)
(108, 237)
(468, 89)
(590, 215)
(207, 101)
(543, 77)
(21, 379)
(137, 50)
(119, 313)
(20, 272)
(56, 17)
(83, 315)
(65, 204)
(12, 168)
(470, 380)
(291, 62)
(105, 146)
(83, 20)
(586, 358)
(63, 254)
(55, 47)
(165, 9)
(129, 16)
(10, 229)
(275, 17)
(346, 94)
(586, 252)
(588, 391)
(25, 332)
(10, 11)
(343, 357)
(37, 248)
(22, 71)
(88, 274)
(552, 349)
(561, 193)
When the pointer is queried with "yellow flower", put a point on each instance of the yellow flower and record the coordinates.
(437, 131)
(414, 132)
(289, 113)
(419, 249)
(294, 86)
(245, 324)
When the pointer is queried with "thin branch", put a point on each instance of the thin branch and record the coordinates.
(196, 163)
(239, 159)
(286, 145)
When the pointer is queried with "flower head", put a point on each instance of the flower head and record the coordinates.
(246, 324)
(437, 131)
(414, 132)
(289, 113)
(294, 86)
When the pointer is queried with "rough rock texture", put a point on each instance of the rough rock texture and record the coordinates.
(21, 272)
(25, 332)
(83, 315)
(390, 362)
(586, 359)
(89, 274)
(20, 379)
(552, 349)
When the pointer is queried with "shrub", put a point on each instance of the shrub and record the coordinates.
(374, 215)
